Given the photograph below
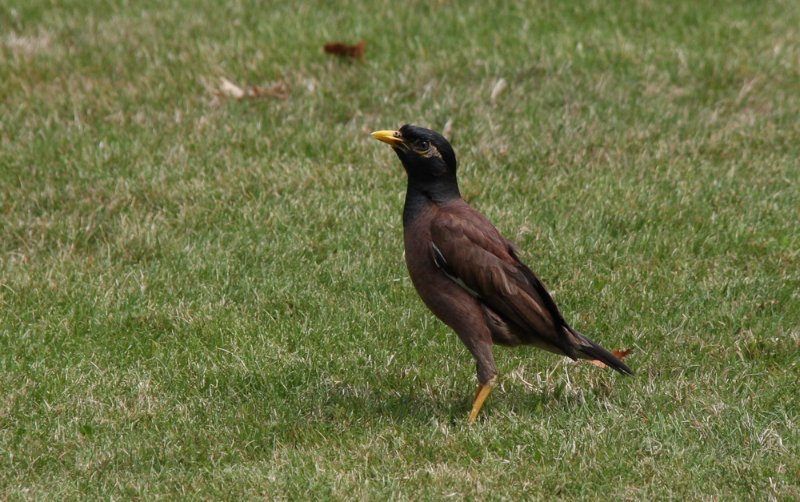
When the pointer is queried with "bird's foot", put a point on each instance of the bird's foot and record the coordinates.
(480, 397)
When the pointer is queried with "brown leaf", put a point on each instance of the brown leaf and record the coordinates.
(344, 50)
(274, 90)
(620, 353)
(228, 89)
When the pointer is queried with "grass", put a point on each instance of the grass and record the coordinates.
(206, 298)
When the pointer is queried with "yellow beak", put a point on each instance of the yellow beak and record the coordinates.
(391, 137)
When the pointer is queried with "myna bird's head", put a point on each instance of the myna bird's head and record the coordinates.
(426, 156)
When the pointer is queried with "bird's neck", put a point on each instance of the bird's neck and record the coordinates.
(419, 197)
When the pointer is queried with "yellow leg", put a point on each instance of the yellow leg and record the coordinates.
(480, 397)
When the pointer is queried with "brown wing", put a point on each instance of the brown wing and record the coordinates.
(467, 247)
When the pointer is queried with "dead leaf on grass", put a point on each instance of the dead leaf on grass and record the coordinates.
(620, 353)
(275, 90)
(227, 89)
(345, 50)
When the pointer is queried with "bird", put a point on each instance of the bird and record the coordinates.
(468, 274)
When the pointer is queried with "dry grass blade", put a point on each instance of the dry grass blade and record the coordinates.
(498, 89)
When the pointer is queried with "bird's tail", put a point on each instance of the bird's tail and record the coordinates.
(592, 351)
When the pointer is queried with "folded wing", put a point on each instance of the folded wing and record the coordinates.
(467, 247)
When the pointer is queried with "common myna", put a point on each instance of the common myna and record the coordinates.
(468, 274)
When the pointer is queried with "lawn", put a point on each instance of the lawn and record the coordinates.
(205, 297)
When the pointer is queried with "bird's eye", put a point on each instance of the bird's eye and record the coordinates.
(423, 145)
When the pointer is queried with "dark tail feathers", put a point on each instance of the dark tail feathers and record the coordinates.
(591, 350)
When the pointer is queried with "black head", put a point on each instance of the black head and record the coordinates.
(427, 157)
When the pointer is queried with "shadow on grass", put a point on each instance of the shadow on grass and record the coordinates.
(325, 405)
(305, 404)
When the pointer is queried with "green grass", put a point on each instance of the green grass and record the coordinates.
(207, 298)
